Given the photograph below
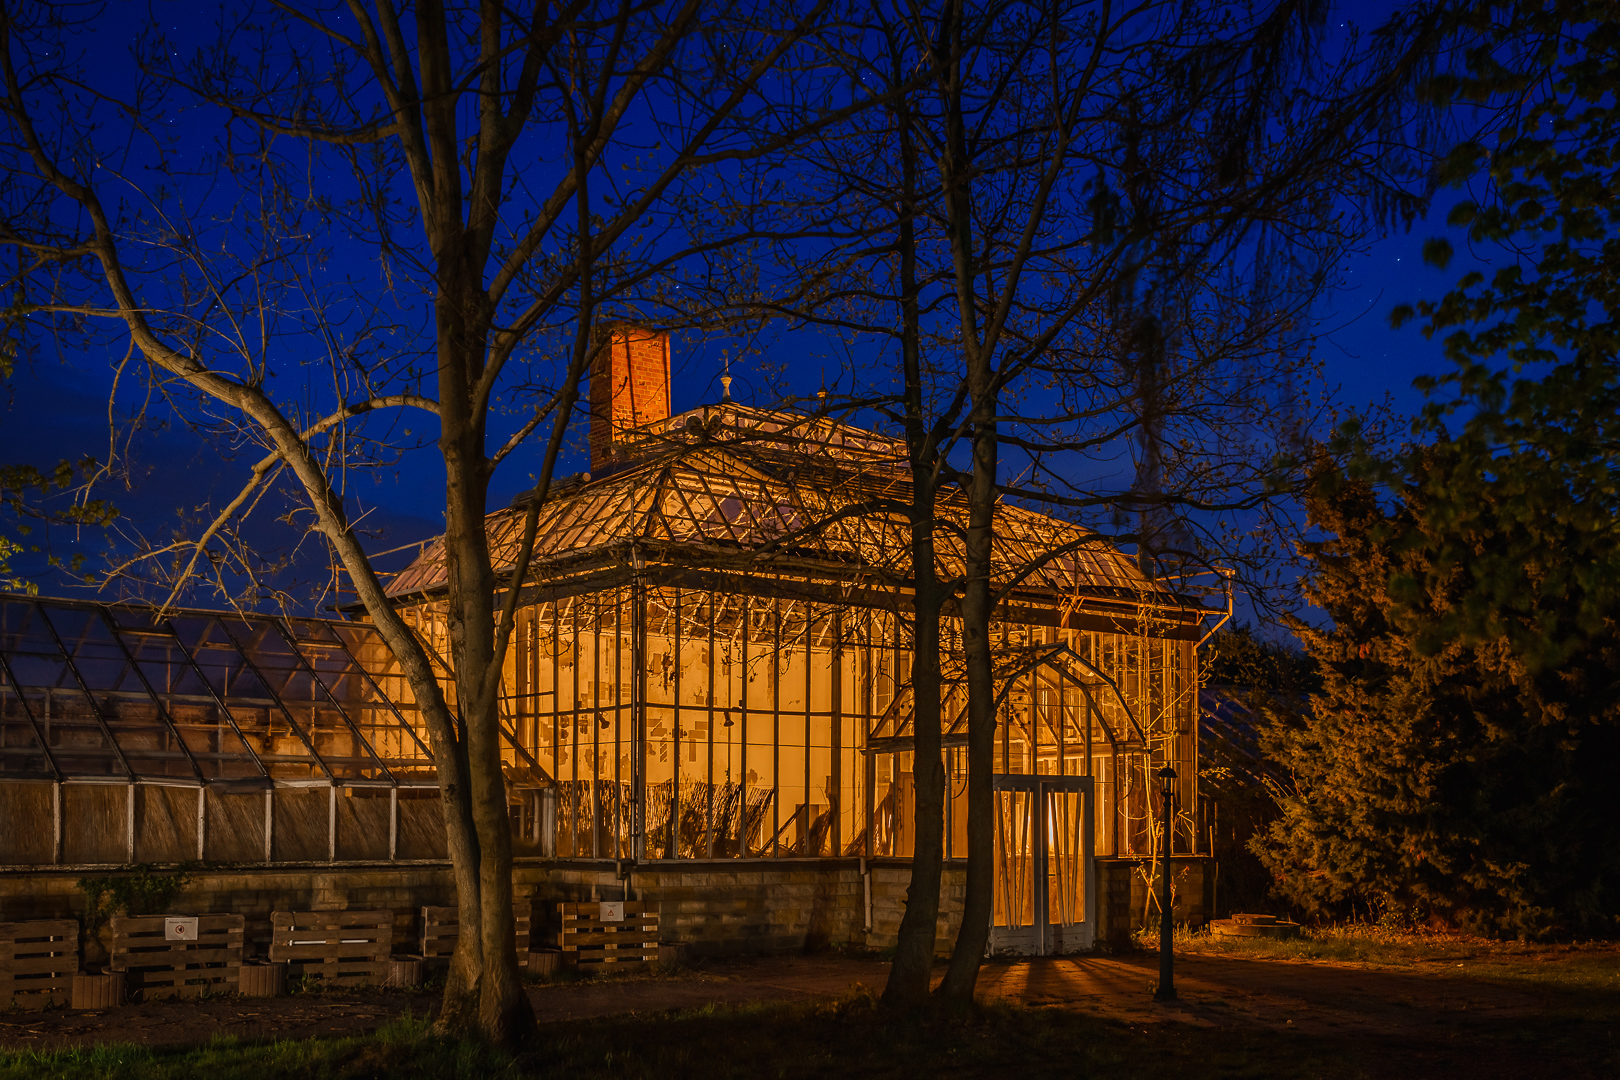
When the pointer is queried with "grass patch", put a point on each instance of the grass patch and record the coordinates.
(641, 973)
(404, 1048)
(1577, 966)
(854, 1037)
(851, 1037)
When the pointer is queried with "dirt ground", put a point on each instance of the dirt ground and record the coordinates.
(1389, 1022)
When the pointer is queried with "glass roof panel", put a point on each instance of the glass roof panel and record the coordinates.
(800, 488)
(115, 691)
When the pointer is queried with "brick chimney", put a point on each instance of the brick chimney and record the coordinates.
(629, 386)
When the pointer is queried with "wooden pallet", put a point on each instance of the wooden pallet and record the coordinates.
(592, 943)
(342, 948)
(441, 927)
(37, 962)
(212, 964)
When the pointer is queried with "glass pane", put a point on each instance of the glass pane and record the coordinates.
(1015, 897)
(1065, 862)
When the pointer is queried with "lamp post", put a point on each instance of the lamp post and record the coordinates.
(1167, 924)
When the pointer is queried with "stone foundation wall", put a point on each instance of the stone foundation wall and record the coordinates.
(889, 884)
(786, 905)
(1129, 902)
(1114, 903)
(714, 907)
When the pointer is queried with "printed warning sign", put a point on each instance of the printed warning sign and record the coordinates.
(179, 928)
(613, 911)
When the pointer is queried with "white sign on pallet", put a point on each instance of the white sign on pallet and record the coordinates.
(613, 911)
(179, 928)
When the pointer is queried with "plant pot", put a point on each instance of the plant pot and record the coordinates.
(260, 978)
(98, 990)
(404, 972)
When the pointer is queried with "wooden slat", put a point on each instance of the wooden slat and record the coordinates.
(38, 961)
(152, 925)
(609, 938)
(162, 968)
(355, 950)
(189, 957)
(35, 965)
(340, 947)
(330, 920)
(593, 908)
(13, 933)
(154, 963)
(190, 982)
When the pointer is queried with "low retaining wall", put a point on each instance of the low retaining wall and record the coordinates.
(1130, 902)
(713, 907)
(784, 905)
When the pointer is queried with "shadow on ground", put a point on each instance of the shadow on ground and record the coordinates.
(798, 1016)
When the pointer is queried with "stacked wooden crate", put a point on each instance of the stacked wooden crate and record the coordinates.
(617, 935)
(156, 962)
(37, 962)
(341, 948)
(441, 928)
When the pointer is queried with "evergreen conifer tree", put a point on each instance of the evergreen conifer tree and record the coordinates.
(1459, 781)
(1461, 756)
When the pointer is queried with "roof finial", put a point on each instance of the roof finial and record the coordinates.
(725, 380)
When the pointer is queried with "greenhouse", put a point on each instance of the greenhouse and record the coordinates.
(133, 736)
(711, 663)
(713, 653)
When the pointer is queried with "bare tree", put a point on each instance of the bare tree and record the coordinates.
(867, 275)
(1092, 234)
(329, 214)
(1229, 174)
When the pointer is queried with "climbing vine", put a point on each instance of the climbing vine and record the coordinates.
(143, 889)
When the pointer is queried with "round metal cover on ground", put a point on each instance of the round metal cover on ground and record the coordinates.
(1272, 929)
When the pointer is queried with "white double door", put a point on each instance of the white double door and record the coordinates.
(1045, 895)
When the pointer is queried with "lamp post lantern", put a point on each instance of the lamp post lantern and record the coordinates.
(1167, 924)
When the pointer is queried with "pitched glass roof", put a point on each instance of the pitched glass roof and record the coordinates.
(725, 486)
(121, 692)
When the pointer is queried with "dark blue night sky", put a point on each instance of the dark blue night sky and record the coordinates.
(56, 407)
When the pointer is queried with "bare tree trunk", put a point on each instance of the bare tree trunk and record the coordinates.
(977, 608)
(978, 356)
(483, 992)
(911, 973)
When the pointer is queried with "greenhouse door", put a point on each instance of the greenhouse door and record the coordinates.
(1044, 899)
